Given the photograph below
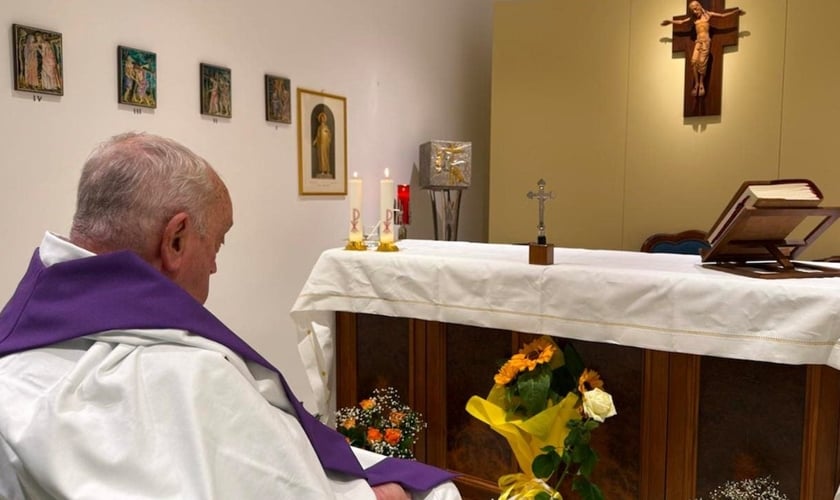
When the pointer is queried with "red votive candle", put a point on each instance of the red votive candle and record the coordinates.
(403, 198)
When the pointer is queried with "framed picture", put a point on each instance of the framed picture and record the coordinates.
(137, 80)
(322, 143)
(278, 99)
(38, 60)
(215, 91)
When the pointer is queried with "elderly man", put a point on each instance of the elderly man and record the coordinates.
(116, 382)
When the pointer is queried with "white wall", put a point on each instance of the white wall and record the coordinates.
(411, 71)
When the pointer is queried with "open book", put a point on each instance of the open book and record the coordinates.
(766, 225)
(766, 194)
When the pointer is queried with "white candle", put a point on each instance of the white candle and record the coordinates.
(386, 209)
(355, 195)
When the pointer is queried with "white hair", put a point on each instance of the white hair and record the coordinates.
(132, 184)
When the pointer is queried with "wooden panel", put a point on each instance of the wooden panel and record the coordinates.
(435, 375)
(618, 440)
(419, 387)
(752, 416)
(820, 473)
(346, 366)
(678, 434)
(654, 433)
(681, 449)
(383, 350)
(472, 357)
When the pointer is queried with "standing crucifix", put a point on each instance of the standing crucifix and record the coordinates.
(703, 34)
(541, 196)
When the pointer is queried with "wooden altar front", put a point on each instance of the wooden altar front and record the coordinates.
(686, 423)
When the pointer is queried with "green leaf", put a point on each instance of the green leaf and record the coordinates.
(586, 489)
(587, 458)
(542, 496)
(579, 452)
(533, 388)
(356, 437)
(591, 424)
(575, 436)
(544, 465)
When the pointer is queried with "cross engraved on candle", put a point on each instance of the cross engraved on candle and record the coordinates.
(389, 220)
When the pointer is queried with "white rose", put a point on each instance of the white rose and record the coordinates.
(598, 404)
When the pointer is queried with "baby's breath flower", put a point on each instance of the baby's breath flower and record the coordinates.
(763, 488)
(381, 423)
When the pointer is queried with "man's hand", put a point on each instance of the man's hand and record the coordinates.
(390, 491)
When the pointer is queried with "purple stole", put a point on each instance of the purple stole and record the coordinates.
(119, 291)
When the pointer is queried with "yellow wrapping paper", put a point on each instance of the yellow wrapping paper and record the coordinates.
(524, 487)
(526, 437)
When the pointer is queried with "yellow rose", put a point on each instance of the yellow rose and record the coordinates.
(598, 404)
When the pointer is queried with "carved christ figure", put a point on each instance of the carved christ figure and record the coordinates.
(700, 53)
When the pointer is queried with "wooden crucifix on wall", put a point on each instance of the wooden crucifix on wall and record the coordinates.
(702, 34)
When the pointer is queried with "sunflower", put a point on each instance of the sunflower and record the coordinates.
(537, 352)
(506, 373)
(589, 379)
(532, 354)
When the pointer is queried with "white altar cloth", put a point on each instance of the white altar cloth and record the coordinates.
(659, 301)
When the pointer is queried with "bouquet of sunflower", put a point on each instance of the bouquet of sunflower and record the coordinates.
(381, 423)
(546, 404)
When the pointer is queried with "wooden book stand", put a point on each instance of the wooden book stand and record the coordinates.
(757, 243)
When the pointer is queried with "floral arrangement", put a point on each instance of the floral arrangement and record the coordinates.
(763, 488)
(546, 404)
(381, 424)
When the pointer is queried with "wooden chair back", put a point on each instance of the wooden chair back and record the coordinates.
(689, 242)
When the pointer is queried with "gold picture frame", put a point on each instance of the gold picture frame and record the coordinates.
(322, 143)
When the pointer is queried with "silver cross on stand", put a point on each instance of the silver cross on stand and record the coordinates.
(541, 196)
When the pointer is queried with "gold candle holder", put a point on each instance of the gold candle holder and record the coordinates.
(355, 245)
(387, 247)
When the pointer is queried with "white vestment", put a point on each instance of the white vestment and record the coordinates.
(158, 414)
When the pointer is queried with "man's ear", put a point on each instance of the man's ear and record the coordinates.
(173, 242)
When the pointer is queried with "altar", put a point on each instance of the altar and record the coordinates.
(693, 356)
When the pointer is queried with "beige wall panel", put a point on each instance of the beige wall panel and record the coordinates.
(681, 172)
(559, 110)
(810, 139)
(589, 96)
